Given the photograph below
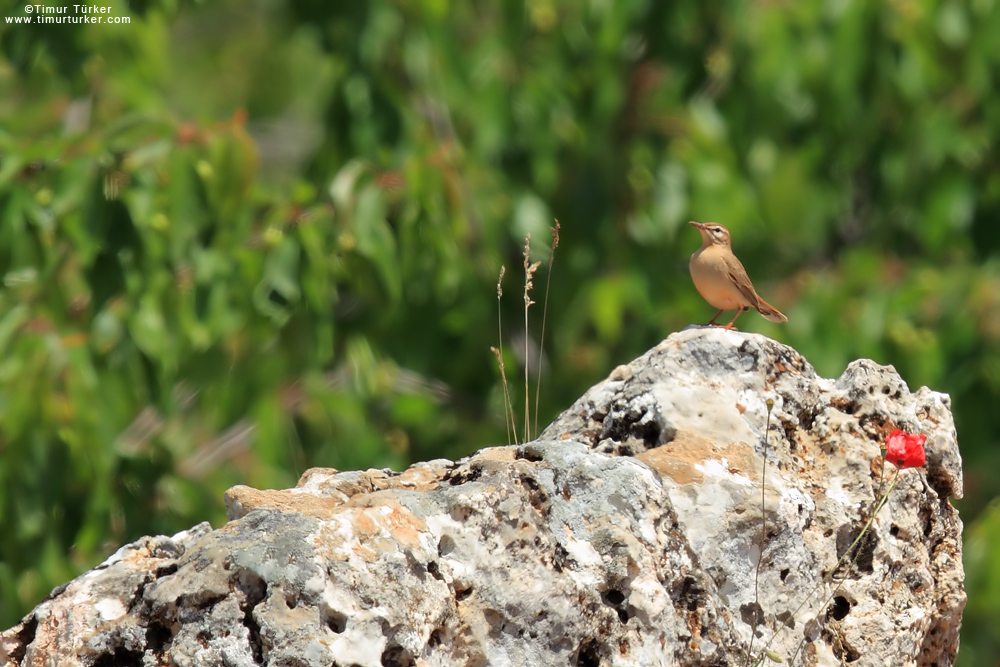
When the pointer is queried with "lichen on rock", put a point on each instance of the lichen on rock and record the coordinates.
(628, 533)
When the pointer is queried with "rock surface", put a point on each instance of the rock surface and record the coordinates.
(629, 533)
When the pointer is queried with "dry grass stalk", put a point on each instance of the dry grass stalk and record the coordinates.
(529, 273)
(545, 310)
(508, 408)
(757, 613)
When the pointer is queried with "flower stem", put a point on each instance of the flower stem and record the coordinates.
(829, 576)
(763, 534)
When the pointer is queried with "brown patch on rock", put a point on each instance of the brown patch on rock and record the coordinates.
(320, 490)
(679, 458)
(241, 500)
(308, 475)
(384, 512)
(422, 478)
(496, 454)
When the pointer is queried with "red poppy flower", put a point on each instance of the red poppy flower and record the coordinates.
(905, 450)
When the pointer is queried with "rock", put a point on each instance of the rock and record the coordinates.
(629, 533)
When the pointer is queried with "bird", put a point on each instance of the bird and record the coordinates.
(721, 279)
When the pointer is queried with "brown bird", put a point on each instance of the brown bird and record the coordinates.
(721, 279)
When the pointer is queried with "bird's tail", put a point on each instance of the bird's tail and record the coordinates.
(770, 312)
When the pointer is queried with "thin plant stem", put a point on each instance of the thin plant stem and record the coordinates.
(881, 474)
(508, 408)
(545, 310)
(529, 272)
(763, 533)
(864, 531)
(829, 576)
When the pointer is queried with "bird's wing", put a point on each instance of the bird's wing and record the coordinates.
(742, 281)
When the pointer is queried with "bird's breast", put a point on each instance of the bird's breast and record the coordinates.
(711, 279)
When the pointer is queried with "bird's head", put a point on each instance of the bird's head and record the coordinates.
(712, 233)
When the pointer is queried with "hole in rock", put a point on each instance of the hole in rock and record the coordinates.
(166, 570)
(751, 355)
(845, 652)
(649, 433)
(635, 430)
(396, 656)
(839, 608)
(789, 429)
(252, 590)
(616, 599)
(157, 637)
(785, 573)
(613, 597)
(528, 454)
(689, 595)
(336, 621)
(863, 554)
(200, 600)
(119, 657)
(894, 531)
(24, 637)
(589, 654)
(560, 558)
(435, 570)
(786, 619)
(462, 593)
(845, 405)
(465, 475)
(536, 495)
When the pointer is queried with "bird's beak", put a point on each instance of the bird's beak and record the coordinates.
(697, 224)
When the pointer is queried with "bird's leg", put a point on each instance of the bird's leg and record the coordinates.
(739, 311)
(711, 322)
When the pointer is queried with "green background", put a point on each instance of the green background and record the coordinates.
(239, 239)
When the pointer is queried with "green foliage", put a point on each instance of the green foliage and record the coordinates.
(980, 643)
(240, 239)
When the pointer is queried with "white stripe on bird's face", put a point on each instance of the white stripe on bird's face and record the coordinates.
(712, 233)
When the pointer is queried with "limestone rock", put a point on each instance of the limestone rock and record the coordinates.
(629, 533)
